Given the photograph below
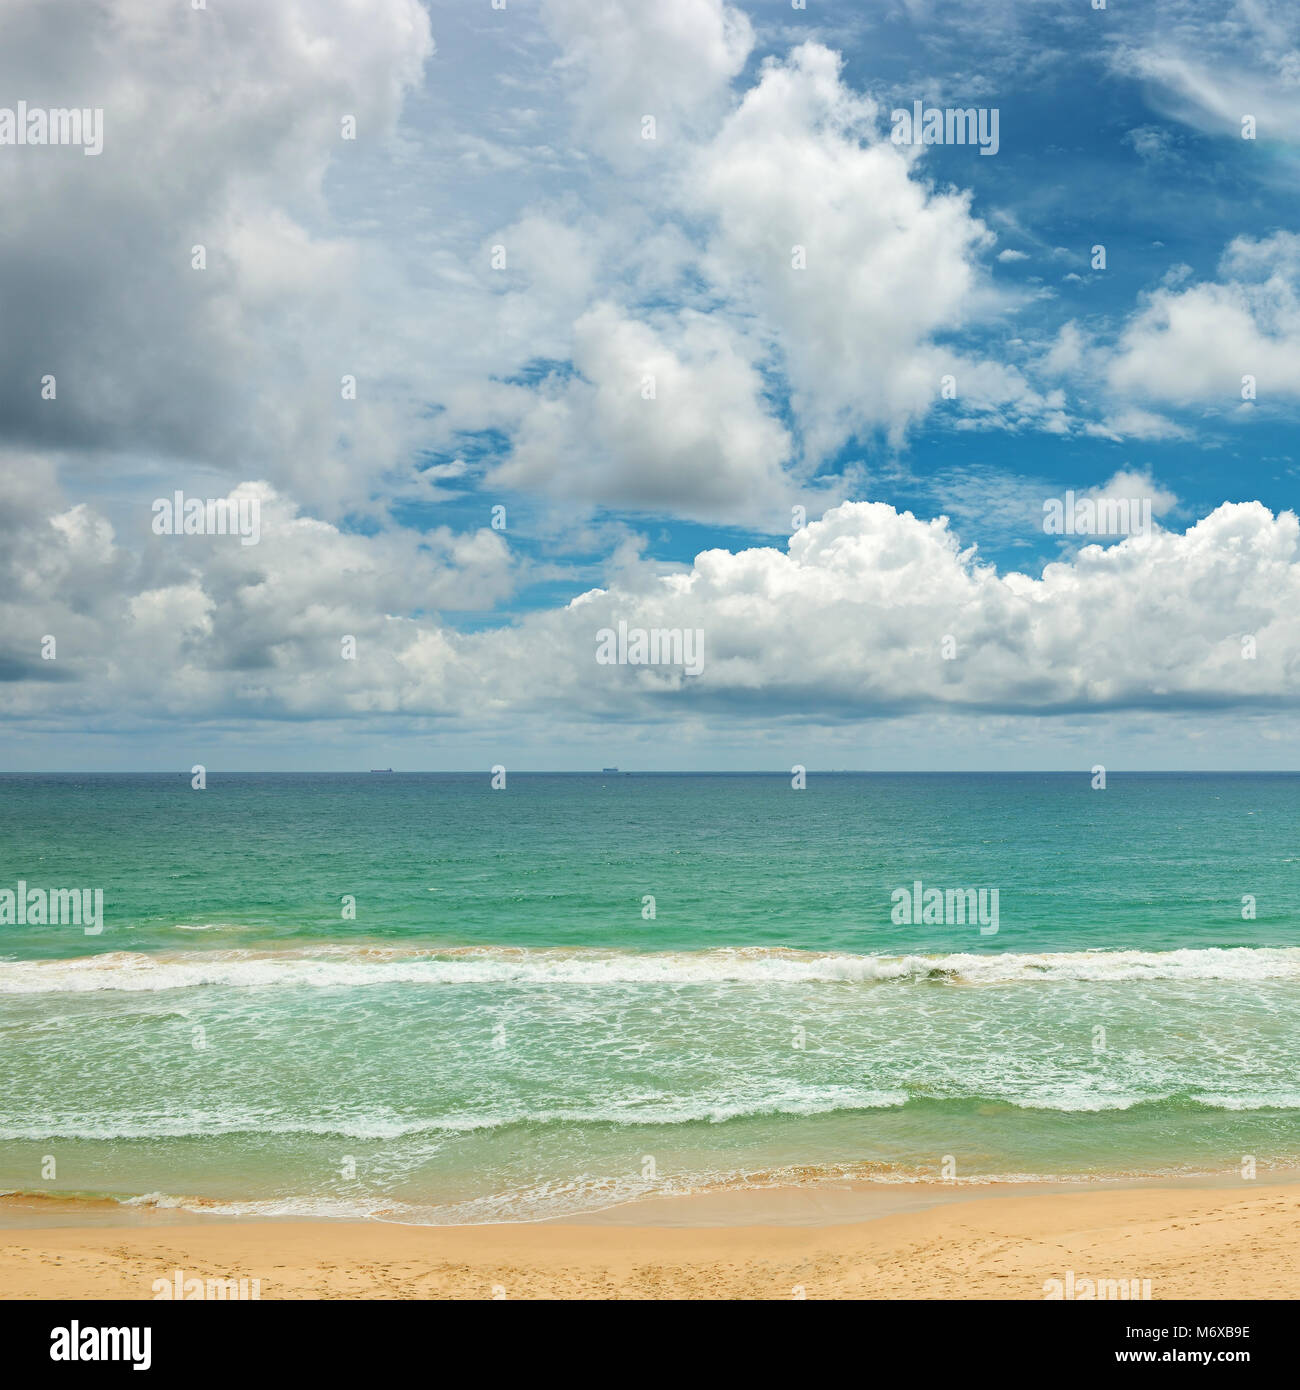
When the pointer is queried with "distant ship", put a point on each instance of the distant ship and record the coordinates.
(609, 769)
(381, 769)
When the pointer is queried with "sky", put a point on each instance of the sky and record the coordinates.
(520, 322)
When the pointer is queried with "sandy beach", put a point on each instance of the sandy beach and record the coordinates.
(1241, 1241)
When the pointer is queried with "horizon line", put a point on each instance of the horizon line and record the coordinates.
(656, 772)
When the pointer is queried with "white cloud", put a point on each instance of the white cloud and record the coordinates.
(672, 60)
(1150, 142)
(1196, 344)
(890, 263)
(1133, 423)
(1192, 344)
(162, 625)
(220, 127)
(848, 621)
(1208, 69)
(1133, 486)
(666, 417)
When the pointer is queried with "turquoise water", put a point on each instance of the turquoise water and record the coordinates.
(503, 1030)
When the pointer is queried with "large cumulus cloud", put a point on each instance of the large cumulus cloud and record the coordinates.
(220, 125)
(866, 612)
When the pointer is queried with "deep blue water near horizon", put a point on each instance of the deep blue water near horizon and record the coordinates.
(411, 994)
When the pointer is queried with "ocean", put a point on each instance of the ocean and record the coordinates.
(416, 997)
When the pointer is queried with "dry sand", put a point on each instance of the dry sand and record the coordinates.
(1239, 1241)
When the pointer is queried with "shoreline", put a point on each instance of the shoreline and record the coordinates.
(1193, 1239)
(798, 1200)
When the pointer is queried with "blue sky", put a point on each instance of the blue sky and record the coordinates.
(606, 338)
(1088, 155)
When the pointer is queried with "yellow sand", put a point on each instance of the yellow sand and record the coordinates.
(1202, 1242)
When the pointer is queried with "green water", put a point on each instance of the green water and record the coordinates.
(508, 1027)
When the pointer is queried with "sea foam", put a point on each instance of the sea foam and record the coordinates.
(346, 967)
